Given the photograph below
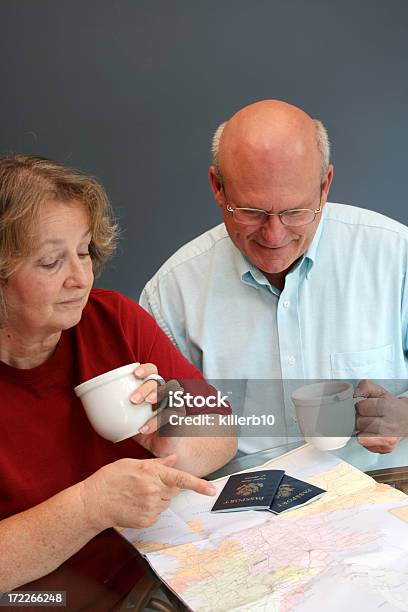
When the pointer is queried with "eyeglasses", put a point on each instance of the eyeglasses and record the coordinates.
(294, 217)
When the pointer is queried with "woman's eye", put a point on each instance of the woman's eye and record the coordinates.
(83, 255)
(51, 265)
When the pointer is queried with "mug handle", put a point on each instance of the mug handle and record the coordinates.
(170, 385)
(161, 382)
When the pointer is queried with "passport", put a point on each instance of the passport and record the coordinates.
(249, 491)
(293, 493)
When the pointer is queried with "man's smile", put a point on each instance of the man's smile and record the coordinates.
(272, 246)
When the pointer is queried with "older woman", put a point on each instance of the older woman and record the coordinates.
(62, 484)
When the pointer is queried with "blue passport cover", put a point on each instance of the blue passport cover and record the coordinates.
(293, 493)
(249, 491)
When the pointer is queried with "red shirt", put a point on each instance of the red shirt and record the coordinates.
(46, 441)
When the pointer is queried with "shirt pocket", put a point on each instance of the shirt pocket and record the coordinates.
(372, 363)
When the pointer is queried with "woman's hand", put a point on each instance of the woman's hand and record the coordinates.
(200, 450)
(133, 493)
(150, 392)
(147, 392)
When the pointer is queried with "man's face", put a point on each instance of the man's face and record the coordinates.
(272, 246)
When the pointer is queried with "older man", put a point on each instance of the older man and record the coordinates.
(289, 287)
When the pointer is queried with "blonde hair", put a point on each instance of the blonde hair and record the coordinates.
(27, 182)
(322, 142)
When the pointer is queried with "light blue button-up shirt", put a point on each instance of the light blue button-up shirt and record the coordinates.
(343, 312)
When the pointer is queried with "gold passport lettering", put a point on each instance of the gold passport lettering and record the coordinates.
(294, 497)
(241, 499)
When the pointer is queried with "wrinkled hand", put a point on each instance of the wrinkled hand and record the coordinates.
(133, 493)
(382, 418)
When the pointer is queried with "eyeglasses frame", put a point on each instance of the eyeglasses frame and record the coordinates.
(268, 214)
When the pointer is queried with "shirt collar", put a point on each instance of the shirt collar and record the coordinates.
(250, 275)
(311, 252)
(254, 277)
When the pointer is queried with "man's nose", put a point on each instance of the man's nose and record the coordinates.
(273, 230)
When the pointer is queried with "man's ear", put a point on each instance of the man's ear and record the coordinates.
(216, 186)
(327, 181)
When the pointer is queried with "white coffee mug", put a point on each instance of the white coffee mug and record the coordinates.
(325, 413)
(105, 399)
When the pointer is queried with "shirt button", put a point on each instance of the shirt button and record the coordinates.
(291, 360)
(286, 303)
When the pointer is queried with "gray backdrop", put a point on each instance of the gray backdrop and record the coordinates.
(131, 91)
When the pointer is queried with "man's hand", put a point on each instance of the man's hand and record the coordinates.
(133, 493)
(382, 419)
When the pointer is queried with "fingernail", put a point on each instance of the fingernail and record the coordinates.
(136, 397)
(139, 371)
(211, 490)
(144, 429)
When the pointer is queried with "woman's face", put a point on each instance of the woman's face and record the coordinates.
(49, 289)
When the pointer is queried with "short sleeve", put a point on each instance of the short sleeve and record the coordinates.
(154, 346)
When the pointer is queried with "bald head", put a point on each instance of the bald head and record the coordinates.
(271, 136)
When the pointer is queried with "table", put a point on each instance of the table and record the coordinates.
(353, 453)
(391, 468)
